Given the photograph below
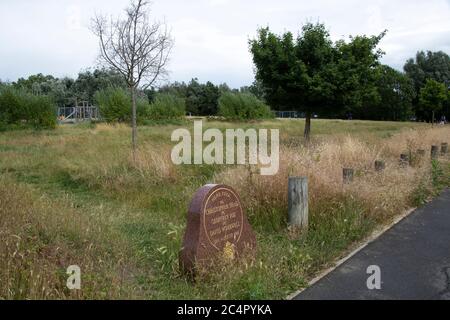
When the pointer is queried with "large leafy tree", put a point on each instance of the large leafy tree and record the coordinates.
(428, 65)
(202, 99)
(256, 89)
(312, 74)
(395, 92)
(357, 73)
(432, 98)
(89, 82)
(38, 84)
(295, 73)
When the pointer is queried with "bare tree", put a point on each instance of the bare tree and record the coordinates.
(137, 48)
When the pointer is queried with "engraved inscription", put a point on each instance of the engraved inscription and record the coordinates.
(223, 218)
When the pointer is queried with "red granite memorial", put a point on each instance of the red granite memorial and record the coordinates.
(216, 228)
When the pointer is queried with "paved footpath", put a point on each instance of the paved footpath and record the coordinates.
(413, 257)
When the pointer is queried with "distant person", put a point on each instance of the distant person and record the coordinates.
(443, 120)
(350, 116)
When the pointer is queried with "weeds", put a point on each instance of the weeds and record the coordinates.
(74, 196)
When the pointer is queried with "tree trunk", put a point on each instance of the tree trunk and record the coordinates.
(307, 134)
(133, 122)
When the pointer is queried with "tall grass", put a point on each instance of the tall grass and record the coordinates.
(382, 194)
(74, 196)
(40, 239)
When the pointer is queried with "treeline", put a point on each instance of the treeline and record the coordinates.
(312, 74)
(34, 101)
(107, 90)
(420, 92)
(208, 99)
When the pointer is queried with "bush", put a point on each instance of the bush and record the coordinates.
(167, 106)
(11, 106)
(115, 105)
(41, 111)
(18, 107)
(243, 106)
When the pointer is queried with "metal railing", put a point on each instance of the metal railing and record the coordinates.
(78, 113)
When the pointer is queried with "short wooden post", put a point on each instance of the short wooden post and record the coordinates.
(444, 148)
(434, 152)
(348, 175)
(404, 160)
(380, 165)
(298, 202)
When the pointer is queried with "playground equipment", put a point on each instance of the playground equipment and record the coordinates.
(79, 113)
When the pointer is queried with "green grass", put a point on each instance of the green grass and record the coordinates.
(80, 179)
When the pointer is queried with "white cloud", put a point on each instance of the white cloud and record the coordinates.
(210, 35)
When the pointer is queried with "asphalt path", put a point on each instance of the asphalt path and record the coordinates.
(411, 261)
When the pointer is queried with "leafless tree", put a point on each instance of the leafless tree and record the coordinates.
(137, 48)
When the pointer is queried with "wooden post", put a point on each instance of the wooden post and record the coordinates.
(434, 152)
(298, 202)
(348, 175)
(380, 165)
(444, 148)
(404, 160)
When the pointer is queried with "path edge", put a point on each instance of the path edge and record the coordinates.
(378, 232)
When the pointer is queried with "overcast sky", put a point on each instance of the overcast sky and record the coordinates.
(52, 36)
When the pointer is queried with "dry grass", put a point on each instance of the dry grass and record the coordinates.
(76, 196)
(154, 162)
(386, 193)
(40, 239)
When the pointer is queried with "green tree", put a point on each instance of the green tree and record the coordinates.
(393, 99)
(115, 104)
(432, 98)
(89, 82)
(357, 74)
(310, 74)
(176, 88)
(397, 93)
(209, 99)
(37, 84)
(202, 99)
(256, 89)
(295, 73)
(167, 106)
(428, 65)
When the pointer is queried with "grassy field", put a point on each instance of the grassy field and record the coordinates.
(73, 196)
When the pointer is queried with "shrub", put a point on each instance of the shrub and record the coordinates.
(243, 106)
(167, 106)
(115, 105)
(41, 111)
(11, 106)
(18, 107)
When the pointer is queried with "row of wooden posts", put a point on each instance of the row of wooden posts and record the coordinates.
(298, 186)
